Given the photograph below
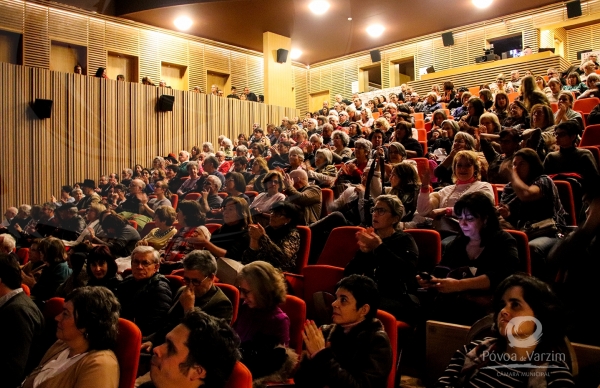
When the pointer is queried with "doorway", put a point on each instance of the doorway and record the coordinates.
(402, 71)
(315, 102)
(369, 78)
(121, 64)
(174, 75)
(221, 80)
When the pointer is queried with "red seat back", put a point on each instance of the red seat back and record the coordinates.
(391, 328)
(554, 106)
(304, 250)
(430, 247)
(251, 195)
(326, 201)
(568, 201)
(133, 224)
(586, 105)
(176, 282)
(591, 136)
(128, 352)
(174, 201)
(147, 228)
(295, 308)
(319, 278)
(523, 249)
(233, 294)
(26, 289)
(595, 150)
(23, 254)
(223, 195)
(340, 247)
(192, 196)
(212, 227)
(52, 308)
(240, 377)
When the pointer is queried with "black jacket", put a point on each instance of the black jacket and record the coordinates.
(362, 358)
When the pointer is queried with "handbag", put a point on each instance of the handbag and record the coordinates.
(544, 228)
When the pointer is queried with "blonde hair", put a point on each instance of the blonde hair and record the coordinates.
(471, 157)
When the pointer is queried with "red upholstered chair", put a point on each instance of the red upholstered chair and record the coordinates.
(428, 126)
(52, 308)
(223, 195)
(177, 272)
(424, 146)
(23, 254)
(295, 308)
(430, 247)
(147, 228)
(595, 150)
(319, 278)
(586, 105)
(390, 327)
(251, 195)
(240, 377)
(568, 201)
(128, 352)
(591, 136)
(174, 201)
(419, 123)
(192, 196)
(422, 134)
(523, 248)
(326, 200)
(212, 227)
(304, 250)
(26, 289)
(340, 247)
(418, 115)
(176, 282)
(554, 106)
(511, 96)
(233, 294)
(133, 224)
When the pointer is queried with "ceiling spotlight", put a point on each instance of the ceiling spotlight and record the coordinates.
(295, 54)
(375, 30)
(183, 23)
(319, 7)
(482, 3)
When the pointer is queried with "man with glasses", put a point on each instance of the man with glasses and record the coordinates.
(199, 269)
(210, 194)
(145, 295)
(553, 73)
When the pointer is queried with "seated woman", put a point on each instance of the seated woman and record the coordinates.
(161, 190)
(485, 95)
(325, 173)
(31, 272)
(235, 186)
(500, 107)
(296, 157)
(519, 116)
(565, 110)
(500, 164)
(279, 242)
(493, 361)
(261, 325)
(101, 269)
(592, 89)
(146, 177)
(532, 197)
(532, 95)
(263, 201)
(574, 84)
(352, 170)
(87, 333)
(466, 173)
(389, 257)
(462, 141)
(438, 117)
(340, 145)
(554, 86)
(157, 238)
(366, 118)
(431, 104)
(476, 108)
(489, 253)
(191, 222)
(120, 237)
(443, 138)
(404, 184)
(404, 136)
(53, 254)
(189, 185)
(259, 169)
(355, 350)
(231, 239)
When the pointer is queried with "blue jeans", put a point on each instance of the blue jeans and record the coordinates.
(539, 249)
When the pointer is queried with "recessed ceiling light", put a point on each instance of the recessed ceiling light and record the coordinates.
(375, 30)
(183, 23)
(319, 7)
(349, 19)
(482, 3)
(295, 54)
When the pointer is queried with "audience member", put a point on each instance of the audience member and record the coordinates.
(52, 252)
(306, 196)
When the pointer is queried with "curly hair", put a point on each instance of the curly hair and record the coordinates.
(266, 282)
(96, 310)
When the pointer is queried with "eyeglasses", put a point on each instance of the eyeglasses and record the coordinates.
(135, 263)
(272, 183)
(379, 211)
(194, 282)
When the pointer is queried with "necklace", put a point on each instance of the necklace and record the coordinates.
(160, 234)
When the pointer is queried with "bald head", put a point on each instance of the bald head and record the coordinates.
(300, 178)
(11, 212)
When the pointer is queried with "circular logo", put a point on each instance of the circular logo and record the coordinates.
(513, 326)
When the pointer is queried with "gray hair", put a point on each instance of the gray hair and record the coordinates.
(128, 171)
(395, 205)
(365, 143)
(343, 136)
(25, 209)
(350, 108)
(202, 261)
(144, 250)
(75, 191)
(210, 146)
(185, 153)
(400, 148)
(214, 180)
(314, 121)
(316, 136)
(333, 113)
(242, 148)
(73, 210)
(140, 183)
(227, 142)
(297, 151)
(326, 154)
(8, 242)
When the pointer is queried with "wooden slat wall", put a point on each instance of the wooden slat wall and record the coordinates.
(101, 126)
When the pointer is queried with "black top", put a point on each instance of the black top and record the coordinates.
(233, 238)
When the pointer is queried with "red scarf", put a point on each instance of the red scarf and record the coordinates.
(459, 182)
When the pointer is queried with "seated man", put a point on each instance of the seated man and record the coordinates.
(145, 295)
(9, 214)
(91, 196)
(300, 193)
(224, 165)
(353, 351)
(8, 245)
(71, 223)
(210, 194)
(240, 164)
(18, 224)
(199, 269)
(210, 165)
(201, 351)
(21, 326)
(47, 224)
(133, 199)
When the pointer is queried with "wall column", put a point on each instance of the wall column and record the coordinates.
(277, 76)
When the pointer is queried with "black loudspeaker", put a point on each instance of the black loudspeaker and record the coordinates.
(282, 55)
(448, 39)
(165, 103)
(573, 9)
(375, 56)
(42, 108)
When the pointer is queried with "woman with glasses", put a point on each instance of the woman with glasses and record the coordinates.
(263, 328)
(389, 257)
(574, 84)
(589, 68)
(279, 242)
(149, 206)
(263, 201)
(352, 170)
(518, 116)
(462, 141)
(235, 186)
(340, 145)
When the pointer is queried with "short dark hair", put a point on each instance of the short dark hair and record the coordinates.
(10, 272)
(53, 250)
(238, 180)
(364, 290)
(512, 133)
(288, 210)
(120, 187)
(173, 168)
(480, 206)
(166, 214)
(241, 160)
(407, 127)
(478, 105)
(113, 221)
(212, 160)
(207, 332)
(536, 168)
(192, 213)
(67, 189)
(101, 254)
(96, 309)
(571, 126)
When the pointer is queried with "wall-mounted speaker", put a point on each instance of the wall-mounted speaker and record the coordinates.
(165, 103)
(375, 56)
(282, 55)
(448, 39)
(42, 108)
(573, 9)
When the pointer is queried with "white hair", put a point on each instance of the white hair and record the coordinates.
(297, 151)
(8, 242)
(147, 249)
